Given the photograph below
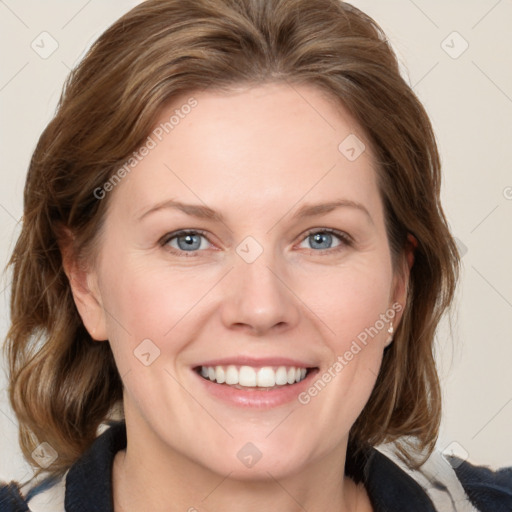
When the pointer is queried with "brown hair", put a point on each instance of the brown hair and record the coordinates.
(63, 385)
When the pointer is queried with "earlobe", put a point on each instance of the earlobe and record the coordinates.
(391, 331)
(84, 288)
(88, 302)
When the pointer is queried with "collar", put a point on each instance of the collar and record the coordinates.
(89, 480)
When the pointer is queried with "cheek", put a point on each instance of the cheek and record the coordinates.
(356, 311)
(149, 299)
(351, 300)
(151, 302)
(355, 344)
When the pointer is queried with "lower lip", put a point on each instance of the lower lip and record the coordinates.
(257, 399)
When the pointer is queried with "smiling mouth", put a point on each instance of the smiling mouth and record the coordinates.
(250, 378)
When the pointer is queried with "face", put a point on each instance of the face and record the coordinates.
(257, 283)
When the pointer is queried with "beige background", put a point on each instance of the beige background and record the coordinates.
(468, 95)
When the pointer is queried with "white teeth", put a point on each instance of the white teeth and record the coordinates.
(266, 377)
(281, 376)
(232, 375)
(247, 376)
(220, 375)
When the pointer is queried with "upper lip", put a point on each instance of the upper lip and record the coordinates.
(257, 362)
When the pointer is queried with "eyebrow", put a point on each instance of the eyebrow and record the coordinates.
(307, 210)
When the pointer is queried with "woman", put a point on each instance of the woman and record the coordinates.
(232, 263)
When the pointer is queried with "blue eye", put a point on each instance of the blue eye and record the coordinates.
(322, 239)
(187, 241)
(191, 241)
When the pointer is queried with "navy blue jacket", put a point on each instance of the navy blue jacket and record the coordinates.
(88, 485)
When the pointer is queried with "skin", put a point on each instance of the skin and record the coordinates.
(256, 155)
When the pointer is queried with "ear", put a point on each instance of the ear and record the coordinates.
(84, 287)
(401, 279)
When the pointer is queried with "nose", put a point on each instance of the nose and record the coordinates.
(259, 298)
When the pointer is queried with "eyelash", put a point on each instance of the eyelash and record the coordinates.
(344, 238)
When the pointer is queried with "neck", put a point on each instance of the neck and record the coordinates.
(147, 476)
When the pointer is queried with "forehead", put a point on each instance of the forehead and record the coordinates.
(254, 148)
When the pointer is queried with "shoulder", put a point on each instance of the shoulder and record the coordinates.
(456, 485)
(11, 499)
(86, 483)
(46, 495)
(488, 489)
